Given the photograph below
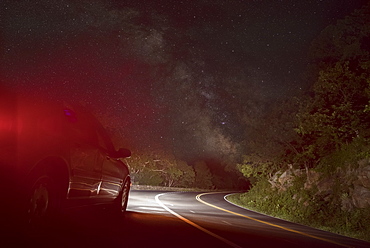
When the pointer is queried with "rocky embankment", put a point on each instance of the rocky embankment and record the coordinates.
(349, 187)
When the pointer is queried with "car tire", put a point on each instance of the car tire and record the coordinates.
(122, 199)
(42, 204)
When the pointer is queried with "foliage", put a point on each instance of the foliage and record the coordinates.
(188, 175)
(347, 156)
(335, 115)
(346, 40)
(333, 126)
(272, 143)
(203, 176)
(272, 133)
(256, 168)
(305, 207)
(158, 168)
(143, 170)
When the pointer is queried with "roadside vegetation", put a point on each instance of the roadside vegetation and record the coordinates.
(164, 170)
(306, 158)
(322, 176)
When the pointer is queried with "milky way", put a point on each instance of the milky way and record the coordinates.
(179, 75)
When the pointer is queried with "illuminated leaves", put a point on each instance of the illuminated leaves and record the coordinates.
(335, 114)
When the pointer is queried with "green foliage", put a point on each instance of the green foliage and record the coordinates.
(289, 205)
(306, 207)
(355, 224)
(346, 40)
(203, 176)
(347, 156)
(310, 206)
(148, 177)
(273, 131)
(188, 175)
(256, 168)
(333, 125)
(336, 112)
(143, 170)
(160, 169)
(335, 116)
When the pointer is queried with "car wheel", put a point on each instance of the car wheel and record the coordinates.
(122, 200)
(42, 204)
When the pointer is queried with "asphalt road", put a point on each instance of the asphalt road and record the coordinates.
(178, 219)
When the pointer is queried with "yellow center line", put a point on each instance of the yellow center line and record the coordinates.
(267, 223)
(193, 224)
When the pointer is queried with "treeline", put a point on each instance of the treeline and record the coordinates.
(315, 170)
(332, 114)
(158, 168)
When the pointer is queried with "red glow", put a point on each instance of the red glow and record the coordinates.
(5, 125)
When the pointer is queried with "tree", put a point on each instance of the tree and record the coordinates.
(334, 113)
(347, 40)
(203, 176)
(143, 169)
(187, 178)
(155, 167)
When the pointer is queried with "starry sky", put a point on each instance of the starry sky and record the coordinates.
(186, 76)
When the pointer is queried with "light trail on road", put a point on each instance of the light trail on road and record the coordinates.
(267, 223)
(222, 224)
(228, 242)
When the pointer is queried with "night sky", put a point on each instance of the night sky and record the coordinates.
(185, 76)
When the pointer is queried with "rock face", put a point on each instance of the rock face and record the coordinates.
(311, 179)
(364, 177)
(283, 180)
(353, 184)
(360, 194)
(361, 197)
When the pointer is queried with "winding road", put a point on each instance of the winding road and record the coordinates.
(180, 219)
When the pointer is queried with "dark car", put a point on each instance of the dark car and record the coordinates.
(55, 156)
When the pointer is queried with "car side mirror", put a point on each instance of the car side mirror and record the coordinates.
(123, 153)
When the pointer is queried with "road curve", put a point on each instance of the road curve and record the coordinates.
(176, 220)
(232, 226)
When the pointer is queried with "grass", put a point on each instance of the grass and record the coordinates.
(299, 208)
